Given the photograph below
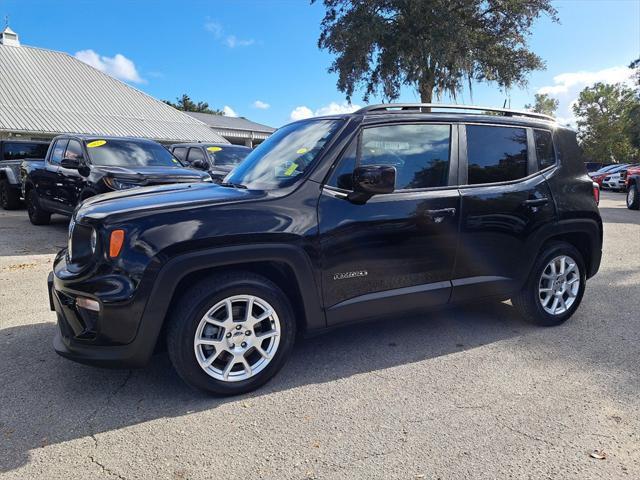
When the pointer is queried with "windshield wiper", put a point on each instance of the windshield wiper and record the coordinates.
(234, 185)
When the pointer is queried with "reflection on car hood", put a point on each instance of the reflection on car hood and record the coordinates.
(175, 196)
(152, 174)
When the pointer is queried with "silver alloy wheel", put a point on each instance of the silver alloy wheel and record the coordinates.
(631, 196)
(559, 285)
(237, 338)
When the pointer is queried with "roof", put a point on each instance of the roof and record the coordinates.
(51, 92)
(224, 125)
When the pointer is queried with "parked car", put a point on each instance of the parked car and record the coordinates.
(600, 176)
(77, 167)
(594, 166)
(216, 158)
(384, 212)
(12, 153)
(632, 186)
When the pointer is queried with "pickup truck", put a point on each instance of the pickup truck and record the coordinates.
(216, 158)
(12, 153)
(79, 166)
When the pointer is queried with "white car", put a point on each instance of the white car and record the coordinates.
(613, 181)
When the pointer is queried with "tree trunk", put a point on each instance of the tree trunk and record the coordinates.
(425, 88)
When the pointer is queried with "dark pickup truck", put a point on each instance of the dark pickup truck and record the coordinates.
(216, 158)
(78, 167)
(12, 153)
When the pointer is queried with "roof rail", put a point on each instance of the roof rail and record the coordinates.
(390, 107)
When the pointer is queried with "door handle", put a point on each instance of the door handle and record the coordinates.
(439, 214)
(536, 202)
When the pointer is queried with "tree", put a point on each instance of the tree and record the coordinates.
(544, 104)
(602, 113)
(433, 45)
(185, 104)
(633, 122)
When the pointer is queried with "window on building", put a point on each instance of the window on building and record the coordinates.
(544, 149)
(496, 154)
(58, 151)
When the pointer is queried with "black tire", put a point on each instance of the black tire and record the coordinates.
(37, 214)
(9, 196)
(528, 303)
(633, 197)
(187, 313)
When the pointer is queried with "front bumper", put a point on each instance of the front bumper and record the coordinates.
(112, 337)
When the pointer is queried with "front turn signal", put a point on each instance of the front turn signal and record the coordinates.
(115, 243)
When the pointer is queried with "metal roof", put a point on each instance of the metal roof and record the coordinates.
(48, 92)
(233, 126)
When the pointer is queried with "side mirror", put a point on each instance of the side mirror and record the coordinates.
(372, 180)
(199, 164)
(71, 163)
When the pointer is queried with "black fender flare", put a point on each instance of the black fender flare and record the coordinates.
(177, 268)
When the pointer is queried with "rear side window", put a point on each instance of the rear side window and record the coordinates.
(496, 154)
(21, 150)
(180, 153)
(195, 154)
(544, 149)
(58, 151)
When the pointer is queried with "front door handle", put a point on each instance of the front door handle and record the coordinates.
(439, 214)
(536, 202)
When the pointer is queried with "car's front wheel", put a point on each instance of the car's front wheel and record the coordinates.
(555, 286)
(230, 333)
(633, 198)
(37, 214)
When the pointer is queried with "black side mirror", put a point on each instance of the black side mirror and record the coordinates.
(199, 164)
(372, 180)
(71, 163)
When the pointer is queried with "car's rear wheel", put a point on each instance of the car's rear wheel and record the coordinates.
(555, 287)
(633, 198)
(230, 333)
(37, 214)
(9, 197)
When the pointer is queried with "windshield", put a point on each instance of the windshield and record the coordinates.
(223, 155)
(130, 153)
(285, 156)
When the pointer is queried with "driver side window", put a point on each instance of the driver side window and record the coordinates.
(419, 152)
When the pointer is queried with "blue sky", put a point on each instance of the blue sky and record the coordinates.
(235, 53)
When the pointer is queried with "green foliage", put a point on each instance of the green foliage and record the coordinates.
(544, 104)
(437, 46)
(633, 123)
(603, 113)
(185, 104)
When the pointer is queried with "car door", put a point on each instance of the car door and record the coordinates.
(71, 182)
(505, 199)
(395, 252)
(180, 153)
(46, 180)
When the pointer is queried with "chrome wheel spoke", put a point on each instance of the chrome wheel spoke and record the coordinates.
(559, 279)
(261, 351)
(264, 336)
(208, 341)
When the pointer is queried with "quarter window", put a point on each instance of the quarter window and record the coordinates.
(496, 154)
(180, 153)
(544, 149)
(58, 151)
(195, 154)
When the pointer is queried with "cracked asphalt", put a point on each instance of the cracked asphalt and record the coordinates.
(467, 393)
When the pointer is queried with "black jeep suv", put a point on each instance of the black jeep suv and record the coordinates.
(389, 210)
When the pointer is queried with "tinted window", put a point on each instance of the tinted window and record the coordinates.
(195, 154)
(342, 177)
(228, 155)
(58, 151)
(180, 153)
(130, 153)
(18, 150)
(544, 149)
(74, 150)
(420, 153)
(496, 154)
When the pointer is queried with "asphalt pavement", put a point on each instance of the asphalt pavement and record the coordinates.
(473, 392)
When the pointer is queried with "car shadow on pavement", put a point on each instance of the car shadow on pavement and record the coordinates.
(46, 399)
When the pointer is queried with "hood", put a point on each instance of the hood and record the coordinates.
(153, 175)
(165, 197)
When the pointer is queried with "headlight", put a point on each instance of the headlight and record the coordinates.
(82, 244)
(116, 184)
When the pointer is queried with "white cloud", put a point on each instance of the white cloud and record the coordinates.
(213, 27)
(261, 105)
(118, 66)
(567, 86)
(232, 42)
(229, 112)
(334, 108)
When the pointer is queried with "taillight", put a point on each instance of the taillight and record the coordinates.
(596, 193)
(116, 239)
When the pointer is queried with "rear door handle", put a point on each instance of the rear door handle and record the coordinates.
(438, 215)
(536, 202)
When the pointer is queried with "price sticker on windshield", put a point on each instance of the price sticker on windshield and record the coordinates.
(289, 171)
(214, 149)
(302, 151)
(96, 143)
